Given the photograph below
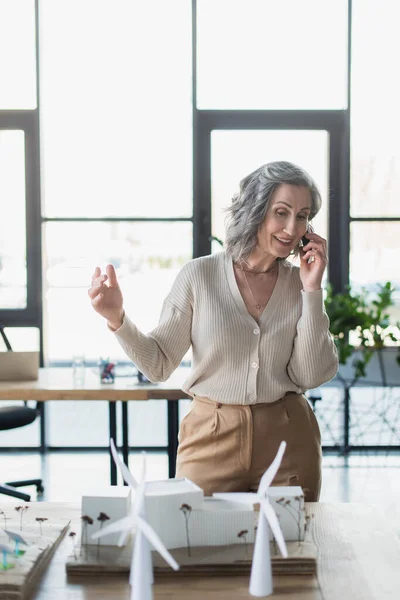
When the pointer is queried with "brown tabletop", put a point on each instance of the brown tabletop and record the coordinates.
(58, 384)
(359, 559)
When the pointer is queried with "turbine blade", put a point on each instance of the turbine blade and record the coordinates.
(275, 527)
(272, 470)
(139, 508)
(144, 466)
(123, 537)
(155, 541)
(125, 472)
(127, 523)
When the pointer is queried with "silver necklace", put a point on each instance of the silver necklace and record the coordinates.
(256, 304)
(254, 271)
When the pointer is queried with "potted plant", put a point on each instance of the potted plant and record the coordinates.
(361, 328)
(367, 342)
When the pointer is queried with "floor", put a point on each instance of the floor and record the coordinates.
(374, 479)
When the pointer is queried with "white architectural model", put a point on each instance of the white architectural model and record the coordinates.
(206, 521)
(214, 521)
(182, 517)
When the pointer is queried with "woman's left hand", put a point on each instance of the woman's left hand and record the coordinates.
(313, 261)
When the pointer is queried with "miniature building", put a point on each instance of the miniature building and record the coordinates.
(115, 501)
(179, 513)
(163, 502)
(176, 508)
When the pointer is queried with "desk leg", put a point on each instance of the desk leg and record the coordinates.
(173, 429)
(125, 435)
(42, 414)
(112, 412)
(346, 422)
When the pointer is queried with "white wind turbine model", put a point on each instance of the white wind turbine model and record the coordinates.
(261, 571)
(133, 484)
(141, 572)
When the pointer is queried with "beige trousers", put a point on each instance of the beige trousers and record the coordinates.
(227, 448)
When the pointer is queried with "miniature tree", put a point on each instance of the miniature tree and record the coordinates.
(72, 535)
(21, 510)
(5, 551)
(294, 513)
(102, 518)
(299, 512)
(187, 511)
(243, 535)
(275, 546)
(86, 520)
(3, 514)
(41, 520)
(307, 524)
(18, 539)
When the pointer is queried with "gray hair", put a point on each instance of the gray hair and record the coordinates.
(247, 211)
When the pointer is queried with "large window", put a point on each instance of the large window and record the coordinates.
(145, 132)
(116, 141)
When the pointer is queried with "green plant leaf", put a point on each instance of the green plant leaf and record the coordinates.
(363, 318)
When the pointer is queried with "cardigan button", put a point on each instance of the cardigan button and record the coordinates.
(256, 331)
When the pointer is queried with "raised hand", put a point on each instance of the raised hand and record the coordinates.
(313, 261)
(106, 296)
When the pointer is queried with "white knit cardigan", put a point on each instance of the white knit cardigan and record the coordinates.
(235, 359)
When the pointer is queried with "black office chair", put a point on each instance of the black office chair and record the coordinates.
(10, 418)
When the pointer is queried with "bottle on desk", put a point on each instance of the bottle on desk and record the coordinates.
(78, 369)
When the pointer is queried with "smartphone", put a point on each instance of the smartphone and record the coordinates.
(305, 240)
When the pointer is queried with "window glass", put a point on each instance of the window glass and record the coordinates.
(147, 258)
(375, 123)
(13, 224)
(116, 115)
(264, 54)
(17, 55)
(77, 423)
(374, 258)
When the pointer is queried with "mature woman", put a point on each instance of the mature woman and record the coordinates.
(259, 336)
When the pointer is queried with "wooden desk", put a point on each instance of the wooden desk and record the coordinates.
(58, 384)
(359, 559)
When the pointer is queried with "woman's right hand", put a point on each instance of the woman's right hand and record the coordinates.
(106, 296)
